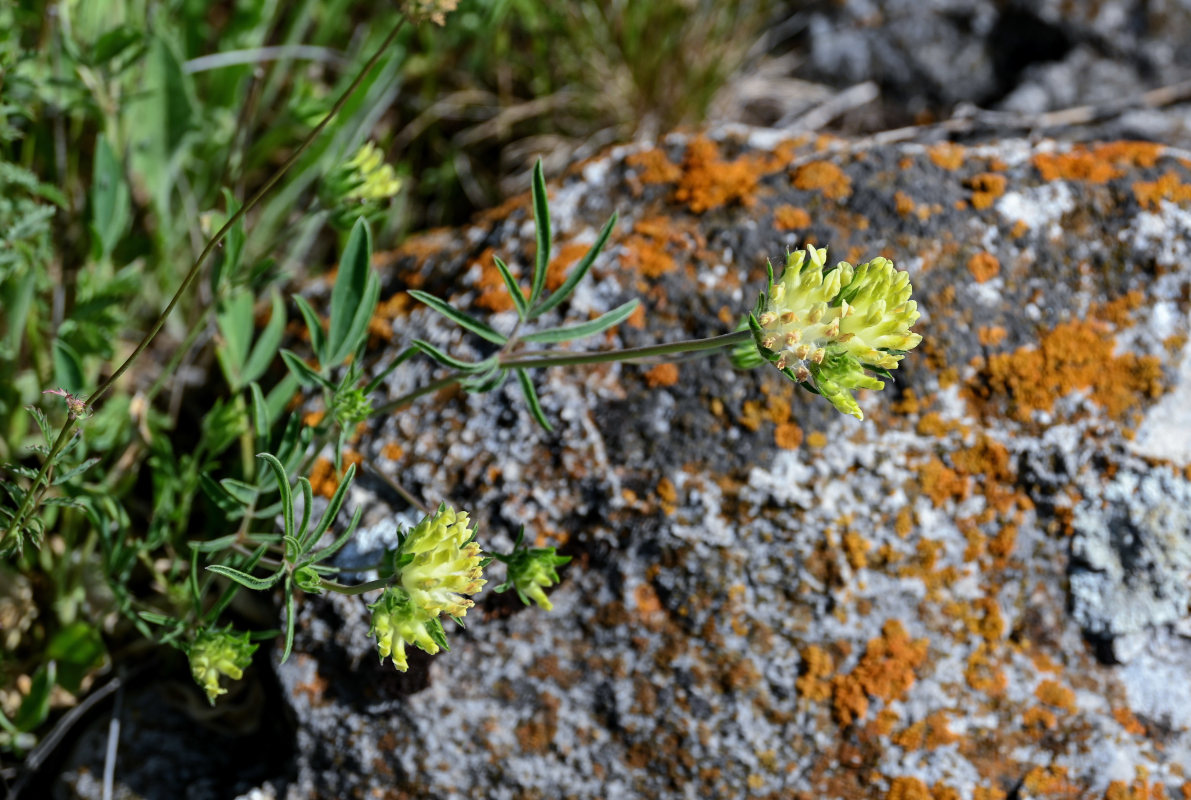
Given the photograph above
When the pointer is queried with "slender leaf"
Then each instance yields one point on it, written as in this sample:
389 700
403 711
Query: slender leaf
110 210
287 496
580 330
340 541
307 502
236 323
577 273
541 218
531 397
280 396
514 290
314 326
229 593
260 414
332 508
244 493
290 621
233 244
375 383
74 472
305 374
454 314
246 580
443 358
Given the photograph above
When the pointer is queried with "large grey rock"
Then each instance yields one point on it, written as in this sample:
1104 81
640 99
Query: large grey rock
767 598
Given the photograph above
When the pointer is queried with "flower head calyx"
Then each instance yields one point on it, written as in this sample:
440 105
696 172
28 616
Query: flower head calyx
215 653
835 330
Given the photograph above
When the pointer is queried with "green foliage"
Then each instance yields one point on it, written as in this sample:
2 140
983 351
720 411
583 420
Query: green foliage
148 148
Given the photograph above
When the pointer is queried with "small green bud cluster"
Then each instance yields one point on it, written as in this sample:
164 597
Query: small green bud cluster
530 571
216 653
360 187
836 330
437 565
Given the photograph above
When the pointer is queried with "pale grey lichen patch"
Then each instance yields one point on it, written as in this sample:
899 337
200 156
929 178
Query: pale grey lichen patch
1164 432
1163 235
1039 206
1131 567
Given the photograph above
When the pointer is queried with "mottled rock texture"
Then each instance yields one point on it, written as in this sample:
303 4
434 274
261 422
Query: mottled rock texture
979 591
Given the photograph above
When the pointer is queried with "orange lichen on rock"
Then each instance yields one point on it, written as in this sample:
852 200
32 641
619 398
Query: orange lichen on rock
1098 164
708 182
788 436
790 218
392 451
814 682
494 295
929 733
1168 187
1040 718
941 483
1076 355
983 674
986 187
907 788
991 335
647 256
568 255
323 478
1128 721
856 549
824 177
885 672
654 166
1049 782
380 326
1141 788
984 266
1056 694
662 375
946 155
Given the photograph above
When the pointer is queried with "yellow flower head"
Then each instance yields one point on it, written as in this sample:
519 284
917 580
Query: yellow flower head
829 328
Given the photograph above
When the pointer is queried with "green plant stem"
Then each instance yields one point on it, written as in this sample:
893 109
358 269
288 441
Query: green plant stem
33 494
556 358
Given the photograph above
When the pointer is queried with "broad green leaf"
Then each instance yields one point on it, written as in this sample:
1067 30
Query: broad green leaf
266 347
568 333
110 210
541 219
577 273
531 397
348 294
235 322
280 395
357 335
35 708
232 246
78 648
68 367
450 312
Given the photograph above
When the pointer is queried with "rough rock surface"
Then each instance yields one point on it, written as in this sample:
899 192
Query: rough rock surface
980 591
